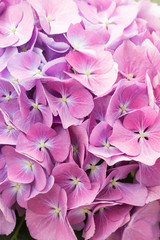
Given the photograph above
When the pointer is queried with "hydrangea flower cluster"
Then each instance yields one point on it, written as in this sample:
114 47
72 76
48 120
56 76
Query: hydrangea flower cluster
80 119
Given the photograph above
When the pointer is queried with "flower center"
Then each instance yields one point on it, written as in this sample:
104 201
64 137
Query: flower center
113 183
85 210
75 149
35 106
42 145
18 186
92 167
8 97
107 145
57 210
64 99
29 164
38 71
142 134
131 75
75 181
49 19
87 73
13 30
123 108
107 23
10 128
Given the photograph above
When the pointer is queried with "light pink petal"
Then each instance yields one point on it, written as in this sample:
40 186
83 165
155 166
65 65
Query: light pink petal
80 103
62 139
124 140
9 196
51 9
132 194
140 119
8 219
147 156
40 177
20 173
66 117
26 64
149 175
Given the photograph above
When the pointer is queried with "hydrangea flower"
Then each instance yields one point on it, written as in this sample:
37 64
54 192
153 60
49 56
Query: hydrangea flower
80 119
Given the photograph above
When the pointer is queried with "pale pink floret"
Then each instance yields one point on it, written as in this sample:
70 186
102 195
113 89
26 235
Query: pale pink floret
46 216
128 96
82 40
32 110
134 63
138 136
15 192
99 143
114 190
16 25
25 67
7 218
24 170
56 16
95 168
70 100
98 74
79 189
108 219
44 144
109 17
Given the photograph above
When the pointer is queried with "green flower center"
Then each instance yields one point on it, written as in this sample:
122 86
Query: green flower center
57 210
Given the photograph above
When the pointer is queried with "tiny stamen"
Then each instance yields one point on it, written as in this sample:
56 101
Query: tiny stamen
10 128
37 71
42 145
107 145
35 106
64 99
57 210
92 167
87 73
13 30
123 108
75 181
8 97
